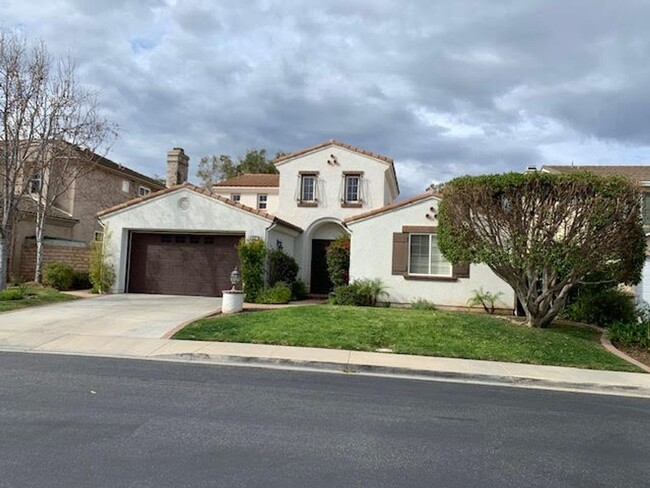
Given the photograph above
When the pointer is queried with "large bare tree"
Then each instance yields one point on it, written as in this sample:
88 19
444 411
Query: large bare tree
544 234
47 118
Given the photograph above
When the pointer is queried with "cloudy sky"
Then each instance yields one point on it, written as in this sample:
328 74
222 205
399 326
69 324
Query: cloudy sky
445 88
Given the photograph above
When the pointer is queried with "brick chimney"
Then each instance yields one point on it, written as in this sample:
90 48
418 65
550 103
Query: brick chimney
177 164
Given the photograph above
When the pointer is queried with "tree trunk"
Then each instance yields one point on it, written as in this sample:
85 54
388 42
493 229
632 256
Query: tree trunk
40 251
4 262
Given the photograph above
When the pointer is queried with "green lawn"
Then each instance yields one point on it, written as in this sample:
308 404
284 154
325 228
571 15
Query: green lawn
35 296
406 331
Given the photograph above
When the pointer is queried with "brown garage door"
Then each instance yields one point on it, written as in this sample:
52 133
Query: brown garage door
181 264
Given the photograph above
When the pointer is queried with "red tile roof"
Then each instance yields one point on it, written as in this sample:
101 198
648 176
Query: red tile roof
334 142
393 206
252 179
202 191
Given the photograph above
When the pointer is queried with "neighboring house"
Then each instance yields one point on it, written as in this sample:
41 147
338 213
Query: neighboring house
641 176
258 191
72 221
182 239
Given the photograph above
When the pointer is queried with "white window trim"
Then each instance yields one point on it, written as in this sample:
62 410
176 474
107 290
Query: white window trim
451 267
259 201
345 188
146 191
235 197
313 177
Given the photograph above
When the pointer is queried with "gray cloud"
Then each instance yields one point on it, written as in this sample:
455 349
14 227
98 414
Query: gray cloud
445 88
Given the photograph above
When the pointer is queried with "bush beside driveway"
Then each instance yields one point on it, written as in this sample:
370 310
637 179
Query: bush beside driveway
407 331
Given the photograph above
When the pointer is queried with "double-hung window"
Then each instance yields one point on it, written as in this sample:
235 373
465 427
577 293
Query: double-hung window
352 189
261 201
235 197
35 183
143 190
308 186
425 257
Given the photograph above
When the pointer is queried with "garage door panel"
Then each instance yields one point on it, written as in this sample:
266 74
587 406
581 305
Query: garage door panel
180 264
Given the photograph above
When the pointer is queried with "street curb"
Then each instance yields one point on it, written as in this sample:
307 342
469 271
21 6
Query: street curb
474 378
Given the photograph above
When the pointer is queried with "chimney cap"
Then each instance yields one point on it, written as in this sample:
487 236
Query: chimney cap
178 149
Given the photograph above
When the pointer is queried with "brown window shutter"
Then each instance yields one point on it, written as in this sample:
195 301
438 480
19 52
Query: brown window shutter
400 253
461 270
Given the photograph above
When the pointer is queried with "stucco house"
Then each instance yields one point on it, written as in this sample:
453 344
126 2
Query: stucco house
182 240
72 220
640 175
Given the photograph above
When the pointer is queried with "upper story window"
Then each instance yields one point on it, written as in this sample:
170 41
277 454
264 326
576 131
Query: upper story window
126 186
352 189
262 199
308 185
143 190
235 197
35 183
425 257
646 208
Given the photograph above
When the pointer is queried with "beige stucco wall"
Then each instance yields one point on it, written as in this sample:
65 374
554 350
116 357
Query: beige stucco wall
248 196
180 211
330 186
371 257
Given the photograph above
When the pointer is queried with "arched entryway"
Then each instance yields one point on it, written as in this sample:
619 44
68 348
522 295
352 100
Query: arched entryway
317 238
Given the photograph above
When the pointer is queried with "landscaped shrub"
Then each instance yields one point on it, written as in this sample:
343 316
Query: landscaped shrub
338 260
362 293
484 299
58 276
102 273
282 267
422 304
298 290
630 333
602 307
280 293
17 293
81 280
252 256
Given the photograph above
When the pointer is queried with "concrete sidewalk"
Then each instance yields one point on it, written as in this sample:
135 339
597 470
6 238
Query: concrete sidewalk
422 367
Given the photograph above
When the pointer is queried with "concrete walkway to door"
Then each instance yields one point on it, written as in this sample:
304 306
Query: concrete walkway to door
125 315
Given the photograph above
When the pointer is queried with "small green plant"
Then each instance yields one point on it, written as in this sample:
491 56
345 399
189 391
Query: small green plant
423 304
17 293
252 256
602 307
58 275
630 333
282 267
484 298
298 290
277 294
338 260
363 293
16 280
102 272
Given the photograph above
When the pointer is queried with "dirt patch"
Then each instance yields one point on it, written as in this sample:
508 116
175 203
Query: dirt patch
639 353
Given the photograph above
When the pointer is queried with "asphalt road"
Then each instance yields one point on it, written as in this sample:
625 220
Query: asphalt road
77 421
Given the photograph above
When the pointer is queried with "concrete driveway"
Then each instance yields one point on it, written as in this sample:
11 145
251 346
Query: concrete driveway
124 315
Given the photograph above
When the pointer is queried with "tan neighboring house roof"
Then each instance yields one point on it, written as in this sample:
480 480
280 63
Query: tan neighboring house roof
252 179
94 158
202 191
334 142
28 205
393 206
636 173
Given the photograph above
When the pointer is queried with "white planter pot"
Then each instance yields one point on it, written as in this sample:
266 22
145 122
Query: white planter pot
233 301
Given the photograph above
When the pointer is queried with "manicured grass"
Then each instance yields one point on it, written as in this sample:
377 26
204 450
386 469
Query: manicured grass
35 296
406 331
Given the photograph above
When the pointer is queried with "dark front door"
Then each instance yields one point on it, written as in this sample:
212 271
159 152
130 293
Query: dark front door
181 264
320 278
